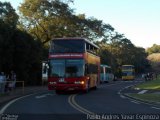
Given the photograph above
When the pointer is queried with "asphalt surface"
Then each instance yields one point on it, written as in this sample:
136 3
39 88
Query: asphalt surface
107 102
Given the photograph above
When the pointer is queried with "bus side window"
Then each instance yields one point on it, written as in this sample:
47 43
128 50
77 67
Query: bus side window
92 69
101 70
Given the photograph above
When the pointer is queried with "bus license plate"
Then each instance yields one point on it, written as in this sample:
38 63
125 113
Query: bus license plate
70 88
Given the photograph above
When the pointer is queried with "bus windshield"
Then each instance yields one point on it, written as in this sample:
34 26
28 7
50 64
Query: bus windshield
67 46
66 68
127 67
57 68
127 73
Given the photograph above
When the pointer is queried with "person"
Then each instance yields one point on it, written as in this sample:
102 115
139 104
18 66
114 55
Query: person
115 78
146 77
2 82
143 76
12 79
149 77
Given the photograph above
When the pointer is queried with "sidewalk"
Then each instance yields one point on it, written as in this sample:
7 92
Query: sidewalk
20 92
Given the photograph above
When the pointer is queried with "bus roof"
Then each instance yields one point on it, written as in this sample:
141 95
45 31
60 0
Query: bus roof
77 38
103 65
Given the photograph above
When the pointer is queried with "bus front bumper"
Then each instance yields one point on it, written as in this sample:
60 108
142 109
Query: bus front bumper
69 87
128 78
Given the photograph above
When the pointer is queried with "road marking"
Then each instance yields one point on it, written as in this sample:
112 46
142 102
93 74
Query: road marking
43 96
122 96
119 92
13 101
128 86
38 97
142 92
72 102
137 88
156 108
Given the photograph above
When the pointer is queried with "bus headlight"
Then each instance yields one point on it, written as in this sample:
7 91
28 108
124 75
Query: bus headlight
79 82
82 82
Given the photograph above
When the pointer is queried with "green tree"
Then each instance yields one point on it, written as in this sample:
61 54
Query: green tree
154 60
116 50
8 21
8 14
45 19
154 49
19 51
27 57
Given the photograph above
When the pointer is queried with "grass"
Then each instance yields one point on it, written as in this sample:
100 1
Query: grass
151 97
150 85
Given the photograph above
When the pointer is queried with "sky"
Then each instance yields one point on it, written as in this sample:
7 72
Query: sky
138 20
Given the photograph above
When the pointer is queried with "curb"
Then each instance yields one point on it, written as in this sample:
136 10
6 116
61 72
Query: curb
156 104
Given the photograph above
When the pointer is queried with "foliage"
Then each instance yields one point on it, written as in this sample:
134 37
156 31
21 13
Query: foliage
46 19
8 14
18 50
154 59
154 49
117 50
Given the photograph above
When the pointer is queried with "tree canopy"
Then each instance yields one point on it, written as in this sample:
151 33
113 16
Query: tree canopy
154 59
47 19
18 50
154 49
118 50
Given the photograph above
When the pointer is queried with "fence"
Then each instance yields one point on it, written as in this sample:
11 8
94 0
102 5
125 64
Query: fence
5 85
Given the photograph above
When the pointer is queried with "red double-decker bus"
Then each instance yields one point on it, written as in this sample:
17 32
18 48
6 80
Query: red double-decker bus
73 65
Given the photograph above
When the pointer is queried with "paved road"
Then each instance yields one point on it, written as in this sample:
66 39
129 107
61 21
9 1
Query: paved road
106 102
